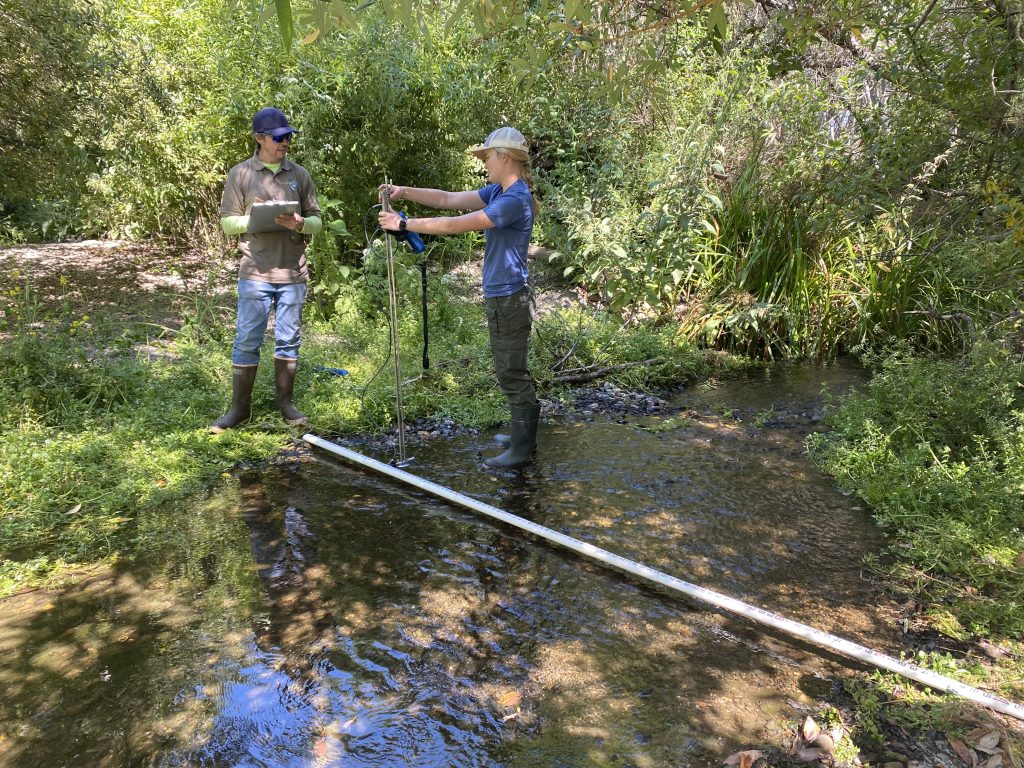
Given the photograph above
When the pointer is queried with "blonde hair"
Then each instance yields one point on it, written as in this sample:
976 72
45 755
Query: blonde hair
521 157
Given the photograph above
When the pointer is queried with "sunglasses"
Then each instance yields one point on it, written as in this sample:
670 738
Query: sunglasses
283 137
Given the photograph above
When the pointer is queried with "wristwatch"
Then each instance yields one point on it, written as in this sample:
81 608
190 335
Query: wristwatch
401 225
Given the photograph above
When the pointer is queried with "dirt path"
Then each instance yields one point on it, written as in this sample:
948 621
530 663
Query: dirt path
113 281
121 281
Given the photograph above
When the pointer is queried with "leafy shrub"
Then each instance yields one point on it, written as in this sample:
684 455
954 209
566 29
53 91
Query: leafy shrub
936 448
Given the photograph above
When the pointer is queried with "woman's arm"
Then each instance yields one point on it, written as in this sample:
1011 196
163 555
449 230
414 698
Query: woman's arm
438 225
436 198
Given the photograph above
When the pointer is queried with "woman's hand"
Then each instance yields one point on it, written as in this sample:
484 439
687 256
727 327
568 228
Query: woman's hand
389 220
394 191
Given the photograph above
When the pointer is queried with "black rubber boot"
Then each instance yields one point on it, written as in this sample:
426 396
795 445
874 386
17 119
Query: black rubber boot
523 443
242 379
506 440
284 382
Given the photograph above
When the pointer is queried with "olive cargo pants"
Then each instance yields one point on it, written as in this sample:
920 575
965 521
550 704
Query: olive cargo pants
509 322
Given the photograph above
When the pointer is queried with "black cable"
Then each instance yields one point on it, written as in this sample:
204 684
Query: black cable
393 331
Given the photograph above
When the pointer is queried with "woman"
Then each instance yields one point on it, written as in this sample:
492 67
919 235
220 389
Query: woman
505 211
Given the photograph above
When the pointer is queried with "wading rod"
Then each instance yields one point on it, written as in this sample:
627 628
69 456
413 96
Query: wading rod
385 204
752 612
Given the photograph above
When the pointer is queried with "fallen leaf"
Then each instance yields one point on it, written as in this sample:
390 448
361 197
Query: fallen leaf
510 699
74 510
797 743
989 742
744 759
996 761
963 752
825 743
810 729
120 520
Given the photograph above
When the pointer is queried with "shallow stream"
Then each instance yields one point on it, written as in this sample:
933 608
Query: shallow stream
317 614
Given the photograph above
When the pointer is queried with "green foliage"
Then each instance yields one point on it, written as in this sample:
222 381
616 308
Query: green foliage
572 341
374 104
773 207
50 71
883 698
176 116
935 448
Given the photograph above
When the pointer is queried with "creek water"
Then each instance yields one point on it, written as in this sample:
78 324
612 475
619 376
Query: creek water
316 614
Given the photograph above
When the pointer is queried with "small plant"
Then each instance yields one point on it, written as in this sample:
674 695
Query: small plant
669 424
845 750
764 417
726 412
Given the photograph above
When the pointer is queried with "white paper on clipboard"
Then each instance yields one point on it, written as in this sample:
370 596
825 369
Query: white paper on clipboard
262 215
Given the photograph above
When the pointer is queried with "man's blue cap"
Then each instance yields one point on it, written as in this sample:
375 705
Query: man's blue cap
272 122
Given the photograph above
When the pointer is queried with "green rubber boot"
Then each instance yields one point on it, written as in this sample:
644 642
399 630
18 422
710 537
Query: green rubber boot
523 438
242 379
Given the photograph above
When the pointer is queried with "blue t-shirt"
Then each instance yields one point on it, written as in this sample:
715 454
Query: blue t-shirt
506 244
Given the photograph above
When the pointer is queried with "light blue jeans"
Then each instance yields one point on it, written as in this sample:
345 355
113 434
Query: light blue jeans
255 300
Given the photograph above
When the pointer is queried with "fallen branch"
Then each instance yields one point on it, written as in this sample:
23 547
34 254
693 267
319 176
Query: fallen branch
589 374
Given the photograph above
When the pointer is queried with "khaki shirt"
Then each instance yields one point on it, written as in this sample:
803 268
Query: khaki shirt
270 257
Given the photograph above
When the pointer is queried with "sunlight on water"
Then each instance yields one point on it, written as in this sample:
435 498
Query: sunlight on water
315 614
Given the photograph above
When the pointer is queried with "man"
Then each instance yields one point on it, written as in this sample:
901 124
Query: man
273 271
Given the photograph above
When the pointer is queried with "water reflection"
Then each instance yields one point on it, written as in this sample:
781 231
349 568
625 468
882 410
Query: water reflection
342 620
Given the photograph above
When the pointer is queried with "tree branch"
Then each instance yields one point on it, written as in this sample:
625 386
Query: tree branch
924 16
663 23
589 374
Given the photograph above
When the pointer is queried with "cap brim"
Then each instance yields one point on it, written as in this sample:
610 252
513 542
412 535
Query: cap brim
479 151
283 131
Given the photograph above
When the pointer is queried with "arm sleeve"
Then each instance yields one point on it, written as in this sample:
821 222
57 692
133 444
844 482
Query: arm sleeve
312 225
487 193
234 225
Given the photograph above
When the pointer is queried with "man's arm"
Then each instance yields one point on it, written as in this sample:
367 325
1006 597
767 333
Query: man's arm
234 219
234 225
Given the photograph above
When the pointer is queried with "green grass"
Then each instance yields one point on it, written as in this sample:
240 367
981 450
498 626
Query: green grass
96 432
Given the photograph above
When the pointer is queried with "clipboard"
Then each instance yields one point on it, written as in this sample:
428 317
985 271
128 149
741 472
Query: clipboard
262 215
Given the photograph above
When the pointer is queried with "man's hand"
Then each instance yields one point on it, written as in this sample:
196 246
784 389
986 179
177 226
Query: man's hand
291 221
